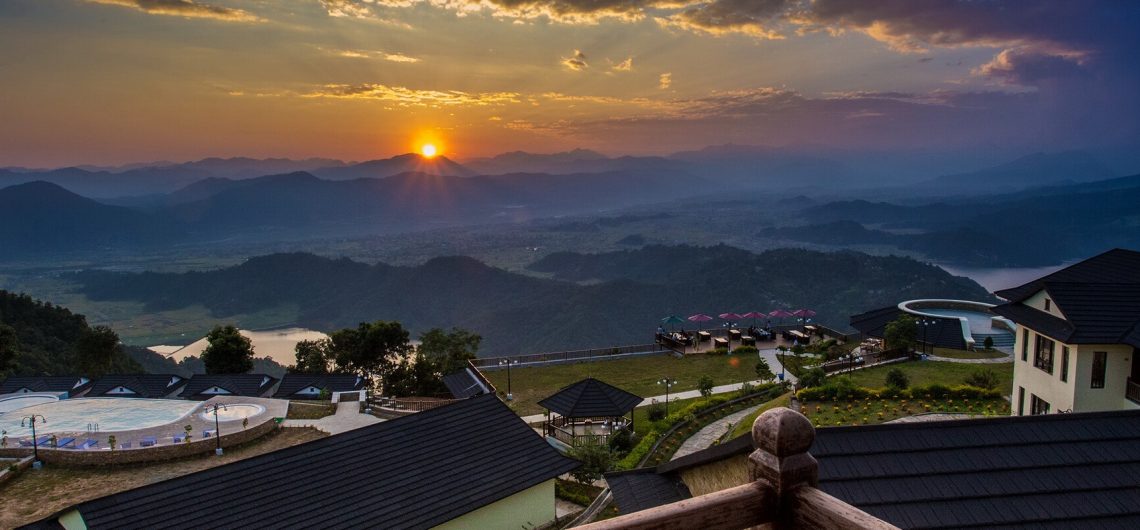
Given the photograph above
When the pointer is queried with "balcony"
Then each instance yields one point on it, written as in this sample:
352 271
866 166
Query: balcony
1132 391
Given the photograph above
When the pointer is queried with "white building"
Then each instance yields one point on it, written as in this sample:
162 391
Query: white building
1078 337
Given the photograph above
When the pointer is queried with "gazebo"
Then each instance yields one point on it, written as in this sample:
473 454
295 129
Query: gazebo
588 412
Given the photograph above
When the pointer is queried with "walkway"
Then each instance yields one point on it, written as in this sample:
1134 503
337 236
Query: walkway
768 355
347 418
704 438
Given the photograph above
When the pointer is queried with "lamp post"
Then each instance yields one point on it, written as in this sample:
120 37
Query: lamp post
668 384
35 443
508 363
924 323
217 427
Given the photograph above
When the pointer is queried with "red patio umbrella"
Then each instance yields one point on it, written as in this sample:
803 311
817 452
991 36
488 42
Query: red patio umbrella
803 313
754 315
700 318
731 317
779 313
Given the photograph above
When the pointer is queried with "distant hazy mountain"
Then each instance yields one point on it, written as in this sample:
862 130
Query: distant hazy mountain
1038 169
39 217
763 167
523 162
407 163
517 313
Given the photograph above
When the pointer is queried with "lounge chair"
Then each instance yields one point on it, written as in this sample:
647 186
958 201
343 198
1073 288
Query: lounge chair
42 441
147 441
64 442
86 444
180 438
208 433
126 445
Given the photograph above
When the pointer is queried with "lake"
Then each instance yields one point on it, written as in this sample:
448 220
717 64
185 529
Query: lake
277 344
997 278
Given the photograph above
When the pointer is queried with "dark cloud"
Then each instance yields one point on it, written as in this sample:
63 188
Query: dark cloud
576 61
183 8
752 17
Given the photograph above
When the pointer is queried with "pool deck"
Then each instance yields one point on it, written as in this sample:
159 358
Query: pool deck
274 408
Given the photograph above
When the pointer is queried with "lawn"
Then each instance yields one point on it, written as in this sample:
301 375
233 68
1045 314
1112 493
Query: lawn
300 410
638 375
873 411
745 425
923 373
967 354
34 495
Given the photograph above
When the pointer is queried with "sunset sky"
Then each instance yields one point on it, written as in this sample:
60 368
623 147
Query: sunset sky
116 81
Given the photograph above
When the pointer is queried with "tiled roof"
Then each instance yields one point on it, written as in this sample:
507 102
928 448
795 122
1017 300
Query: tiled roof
464 384
640 489
591 398
143 385
417 471
293 383
45 383
1059 470
944 333
1100 298
254 385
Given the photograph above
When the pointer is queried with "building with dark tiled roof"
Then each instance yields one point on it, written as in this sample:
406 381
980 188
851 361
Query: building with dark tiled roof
470 464
137 385
72 385
310 386
1078 337
1056 471
206 386
467 383
588 411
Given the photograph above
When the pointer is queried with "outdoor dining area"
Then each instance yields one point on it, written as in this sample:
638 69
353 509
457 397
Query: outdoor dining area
672 332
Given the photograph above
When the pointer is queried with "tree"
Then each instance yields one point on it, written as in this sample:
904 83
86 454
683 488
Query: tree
705 384
9 343
595 459
764 371
313 357
229 351
95 351
896 378
450 349
814 377
372 350
900 333
983 378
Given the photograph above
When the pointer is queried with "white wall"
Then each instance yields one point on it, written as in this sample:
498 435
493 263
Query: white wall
530 508
1077 393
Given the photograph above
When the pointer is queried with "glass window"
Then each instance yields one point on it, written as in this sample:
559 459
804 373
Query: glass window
1064 364
1043 354
1037 405
1025 344
1047 304
1100 362
1020 401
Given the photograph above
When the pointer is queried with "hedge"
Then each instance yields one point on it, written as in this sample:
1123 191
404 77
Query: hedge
839 391
639 451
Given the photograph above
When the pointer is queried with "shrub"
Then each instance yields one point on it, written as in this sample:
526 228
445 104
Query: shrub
655 411
988 343
638 452
897 379
621 442
740 350
983 378
705 384
813 377
595 459
568 492
719 351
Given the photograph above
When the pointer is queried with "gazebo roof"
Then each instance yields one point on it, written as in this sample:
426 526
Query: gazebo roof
591 398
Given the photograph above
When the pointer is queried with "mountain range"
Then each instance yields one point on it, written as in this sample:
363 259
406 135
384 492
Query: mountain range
593 300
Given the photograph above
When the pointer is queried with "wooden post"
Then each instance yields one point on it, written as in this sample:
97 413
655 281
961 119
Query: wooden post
782 438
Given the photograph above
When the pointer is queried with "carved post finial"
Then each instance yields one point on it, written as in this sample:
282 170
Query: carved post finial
782 438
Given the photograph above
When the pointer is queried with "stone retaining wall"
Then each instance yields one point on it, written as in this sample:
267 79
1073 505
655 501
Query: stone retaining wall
158 453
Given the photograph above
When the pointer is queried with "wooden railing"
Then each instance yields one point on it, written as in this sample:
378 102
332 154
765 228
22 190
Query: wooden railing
1132 391
782 491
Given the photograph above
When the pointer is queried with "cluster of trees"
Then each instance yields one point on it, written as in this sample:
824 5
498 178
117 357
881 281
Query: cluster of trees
38 338
382 353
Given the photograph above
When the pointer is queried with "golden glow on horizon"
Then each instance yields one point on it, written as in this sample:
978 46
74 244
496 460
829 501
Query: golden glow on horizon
428 150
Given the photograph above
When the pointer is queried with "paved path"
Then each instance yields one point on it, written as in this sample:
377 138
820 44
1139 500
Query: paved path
704 438
563 508
996 360
936 416
347 418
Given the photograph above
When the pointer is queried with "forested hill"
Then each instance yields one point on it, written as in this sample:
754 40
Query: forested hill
519 313
51 340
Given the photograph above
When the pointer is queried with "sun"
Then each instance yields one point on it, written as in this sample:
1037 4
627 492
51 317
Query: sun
428 150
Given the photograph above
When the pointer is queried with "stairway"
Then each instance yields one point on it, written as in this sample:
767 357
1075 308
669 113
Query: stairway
1002 341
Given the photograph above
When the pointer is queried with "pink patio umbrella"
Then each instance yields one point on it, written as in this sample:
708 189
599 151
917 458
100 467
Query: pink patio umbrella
754 315
700 319
730 317
804 315
779 313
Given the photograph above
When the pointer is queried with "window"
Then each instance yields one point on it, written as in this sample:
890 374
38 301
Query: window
1100 362
1047 304
1020 401
1043 354
1038 406
1064 364
1025 344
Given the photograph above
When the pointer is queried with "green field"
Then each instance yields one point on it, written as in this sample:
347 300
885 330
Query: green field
923 373
638 375
968 354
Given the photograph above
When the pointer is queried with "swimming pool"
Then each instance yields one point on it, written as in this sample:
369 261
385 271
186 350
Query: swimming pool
110 414
19 401
977 320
